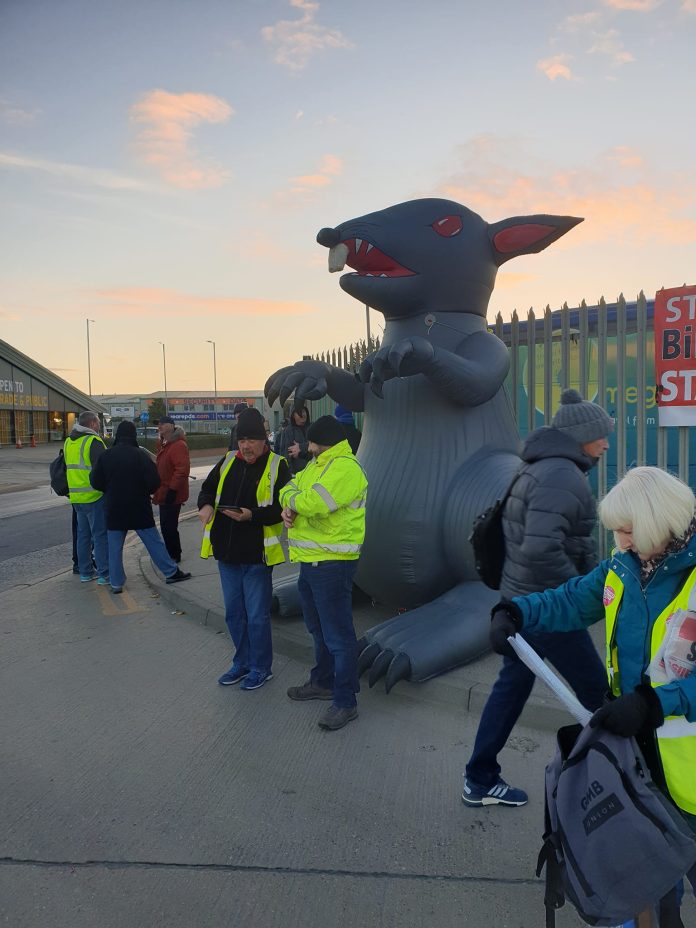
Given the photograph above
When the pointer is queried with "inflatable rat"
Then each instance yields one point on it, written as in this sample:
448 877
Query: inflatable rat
439 438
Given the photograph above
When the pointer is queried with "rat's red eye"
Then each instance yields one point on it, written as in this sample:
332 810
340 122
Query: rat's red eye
448 226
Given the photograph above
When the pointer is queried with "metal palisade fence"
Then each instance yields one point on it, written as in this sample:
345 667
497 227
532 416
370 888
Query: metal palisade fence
606 352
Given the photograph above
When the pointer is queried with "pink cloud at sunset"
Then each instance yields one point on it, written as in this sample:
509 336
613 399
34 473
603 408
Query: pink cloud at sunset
330 167
296 41
153 302
638 6
555 67
165 123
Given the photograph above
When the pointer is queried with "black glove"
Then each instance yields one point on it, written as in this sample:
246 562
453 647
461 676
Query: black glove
170 498
506 620
628 714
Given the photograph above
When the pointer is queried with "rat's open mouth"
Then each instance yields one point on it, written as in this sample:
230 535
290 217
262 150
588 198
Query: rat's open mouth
366 259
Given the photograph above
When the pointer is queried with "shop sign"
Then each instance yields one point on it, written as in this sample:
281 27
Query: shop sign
675 355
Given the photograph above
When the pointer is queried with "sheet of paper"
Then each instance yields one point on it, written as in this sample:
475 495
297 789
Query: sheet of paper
529 656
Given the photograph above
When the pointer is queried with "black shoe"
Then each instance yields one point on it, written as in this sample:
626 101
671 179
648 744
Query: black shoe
178 577
335 718
76 569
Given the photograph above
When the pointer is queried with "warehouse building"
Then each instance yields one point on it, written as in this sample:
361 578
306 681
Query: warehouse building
35 404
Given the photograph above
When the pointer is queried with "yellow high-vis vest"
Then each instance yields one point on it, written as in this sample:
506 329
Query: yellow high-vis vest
272 548
78 466
676 737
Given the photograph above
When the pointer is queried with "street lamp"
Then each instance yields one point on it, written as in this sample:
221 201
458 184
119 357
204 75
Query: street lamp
89 362
164 366
210 342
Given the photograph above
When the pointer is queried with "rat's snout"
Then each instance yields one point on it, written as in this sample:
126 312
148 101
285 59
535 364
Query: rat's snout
328 237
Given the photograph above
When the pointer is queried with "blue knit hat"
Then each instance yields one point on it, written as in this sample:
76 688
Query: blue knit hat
344 415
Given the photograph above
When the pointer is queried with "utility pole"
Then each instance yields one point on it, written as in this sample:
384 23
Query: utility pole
89 361
164 367
210 342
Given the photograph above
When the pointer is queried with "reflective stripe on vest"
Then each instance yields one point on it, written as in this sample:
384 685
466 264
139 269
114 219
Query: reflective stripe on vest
78 467
272 548
676 738
316 546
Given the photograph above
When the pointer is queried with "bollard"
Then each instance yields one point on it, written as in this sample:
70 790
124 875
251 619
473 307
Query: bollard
33 442
18 443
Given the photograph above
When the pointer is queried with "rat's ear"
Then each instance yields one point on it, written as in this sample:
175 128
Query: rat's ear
524 235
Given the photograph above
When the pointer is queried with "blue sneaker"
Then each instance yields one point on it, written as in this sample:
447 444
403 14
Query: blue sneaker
500 794
87 579
103 581
254 679
233 675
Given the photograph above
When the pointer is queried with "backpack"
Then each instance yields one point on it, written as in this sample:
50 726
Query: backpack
613 844
488 541
59 475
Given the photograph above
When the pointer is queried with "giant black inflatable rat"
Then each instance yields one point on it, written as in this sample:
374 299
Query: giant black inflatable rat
439 438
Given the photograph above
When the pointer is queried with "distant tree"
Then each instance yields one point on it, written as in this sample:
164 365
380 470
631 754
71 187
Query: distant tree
157 409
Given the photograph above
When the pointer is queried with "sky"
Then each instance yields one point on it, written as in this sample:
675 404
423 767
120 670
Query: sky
165 165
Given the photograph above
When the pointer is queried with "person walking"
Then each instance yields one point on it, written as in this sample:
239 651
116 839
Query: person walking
636 590
548 520
294 440
127 476
173 467
82 449
324 511
240 509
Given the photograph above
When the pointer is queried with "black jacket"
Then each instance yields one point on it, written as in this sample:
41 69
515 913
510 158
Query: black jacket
549 516
241 542
291 434
127 476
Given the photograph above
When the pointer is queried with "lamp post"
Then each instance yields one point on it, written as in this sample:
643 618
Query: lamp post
89 361
164 367
210 342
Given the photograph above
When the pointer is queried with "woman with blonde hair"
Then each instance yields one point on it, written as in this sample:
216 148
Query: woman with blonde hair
648 577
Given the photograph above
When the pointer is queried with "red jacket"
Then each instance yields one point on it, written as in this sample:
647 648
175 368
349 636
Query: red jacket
173 466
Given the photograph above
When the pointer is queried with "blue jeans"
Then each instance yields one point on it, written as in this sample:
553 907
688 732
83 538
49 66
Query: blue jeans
247 590
574 656
152 540
91 535
326 593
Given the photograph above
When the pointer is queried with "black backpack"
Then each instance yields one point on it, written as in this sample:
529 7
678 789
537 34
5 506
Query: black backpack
59 475
488 541
614 845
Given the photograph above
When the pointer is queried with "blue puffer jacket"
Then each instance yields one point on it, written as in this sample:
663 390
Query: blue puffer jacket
578 604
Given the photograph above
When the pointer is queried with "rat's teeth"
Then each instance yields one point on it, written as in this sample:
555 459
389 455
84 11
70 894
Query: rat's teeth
337 257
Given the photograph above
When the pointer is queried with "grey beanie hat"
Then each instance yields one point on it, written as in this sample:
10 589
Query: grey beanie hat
582 420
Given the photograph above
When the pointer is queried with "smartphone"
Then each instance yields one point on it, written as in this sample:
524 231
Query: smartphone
231 508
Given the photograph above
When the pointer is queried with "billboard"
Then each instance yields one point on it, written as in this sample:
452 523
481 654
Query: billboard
675 355
125 412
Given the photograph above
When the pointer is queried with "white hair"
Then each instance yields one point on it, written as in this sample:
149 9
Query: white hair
650 503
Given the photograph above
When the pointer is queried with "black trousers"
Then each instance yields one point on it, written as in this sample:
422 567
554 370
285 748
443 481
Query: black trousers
169 526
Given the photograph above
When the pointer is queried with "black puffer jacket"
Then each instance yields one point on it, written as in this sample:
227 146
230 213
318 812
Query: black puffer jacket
127 476
549 516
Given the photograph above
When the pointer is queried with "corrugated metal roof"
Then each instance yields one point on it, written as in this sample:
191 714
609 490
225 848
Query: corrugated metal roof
34 369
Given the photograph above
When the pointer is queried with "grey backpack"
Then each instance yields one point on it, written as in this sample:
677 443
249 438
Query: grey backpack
613 844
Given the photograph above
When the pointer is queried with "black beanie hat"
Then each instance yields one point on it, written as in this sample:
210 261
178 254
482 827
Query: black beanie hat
326 431
125 432
250 425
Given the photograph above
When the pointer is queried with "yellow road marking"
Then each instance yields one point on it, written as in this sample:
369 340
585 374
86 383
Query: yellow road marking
113 604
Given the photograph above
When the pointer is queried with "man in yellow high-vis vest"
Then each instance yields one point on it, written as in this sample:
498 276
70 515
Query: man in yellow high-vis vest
324 509
240 509
81 450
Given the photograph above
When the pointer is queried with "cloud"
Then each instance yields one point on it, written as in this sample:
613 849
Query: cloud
90 177
555 67
331 166
578 21
13 115
296 40
609 44
689 6
151 302
639 6
619 205
165 124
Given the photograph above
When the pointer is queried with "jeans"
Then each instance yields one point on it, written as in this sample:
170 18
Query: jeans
326 592
169 526
91 538
247 590
574 656
152 540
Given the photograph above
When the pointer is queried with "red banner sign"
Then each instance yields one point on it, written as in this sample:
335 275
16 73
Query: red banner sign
675 355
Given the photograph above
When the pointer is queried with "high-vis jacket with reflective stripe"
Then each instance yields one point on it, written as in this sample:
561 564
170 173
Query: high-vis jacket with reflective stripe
78 465
272 549
636 617
329 497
